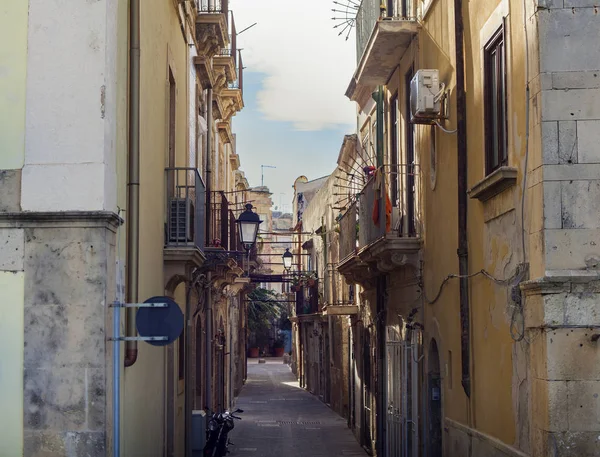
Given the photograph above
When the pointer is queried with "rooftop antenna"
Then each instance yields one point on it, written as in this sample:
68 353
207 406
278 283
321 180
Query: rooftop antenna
262 173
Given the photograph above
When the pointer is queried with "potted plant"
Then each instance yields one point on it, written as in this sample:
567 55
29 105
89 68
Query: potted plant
296 284
278 347
311 279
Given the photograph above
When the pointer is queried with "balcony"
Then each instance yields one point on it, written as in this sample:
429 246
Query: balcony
225 254
212 26
225 133
307 299
382 37
226 58
389 237
350 265
232 93
184 220
338 296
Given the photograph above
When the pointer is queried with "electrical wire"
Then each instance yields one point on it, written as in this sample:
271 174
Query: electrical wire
445 130
512 280
526 131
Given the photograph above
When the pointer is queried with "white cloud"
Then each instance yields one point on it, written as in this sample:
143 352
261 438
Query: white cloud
308 66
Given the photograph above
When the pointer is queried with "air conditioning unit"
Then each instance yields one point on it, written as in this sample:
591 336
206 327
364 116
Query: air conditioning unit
425 96
181 220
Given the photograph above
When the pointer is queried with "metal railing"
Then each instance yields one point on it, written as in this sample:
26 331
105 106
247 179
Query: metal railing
222 228
400 216
185 208
370 11
336 290
307 299
348 232
239 82
212 6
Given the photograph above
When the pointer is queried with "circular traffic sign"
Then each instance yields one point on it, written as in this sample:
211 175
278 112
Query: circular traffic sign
160 321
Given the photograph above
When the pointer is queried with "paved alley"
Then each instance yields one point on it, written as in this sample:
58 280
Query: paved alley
281 419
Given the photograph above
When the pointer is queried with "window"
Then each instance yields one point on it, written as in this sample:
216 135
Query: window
496 153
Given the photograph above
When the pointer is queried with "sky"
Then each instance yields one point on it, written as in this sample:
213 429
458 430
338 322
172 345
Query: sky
296 72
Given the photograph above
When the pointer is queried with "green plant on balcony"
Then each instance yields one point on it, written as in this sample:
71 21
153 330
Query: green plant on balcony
310 278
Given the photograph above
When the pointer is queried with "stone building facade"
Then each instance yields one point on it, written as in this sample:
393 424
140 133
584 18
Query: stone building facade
470 238
115 136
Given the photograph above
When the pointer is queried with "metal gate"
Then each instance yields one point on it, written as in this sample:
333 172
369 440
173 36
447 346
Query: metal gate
395 393
401 395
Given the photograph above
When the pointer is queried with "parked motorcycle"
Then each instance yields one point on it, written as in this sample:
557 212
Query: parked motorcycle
219 426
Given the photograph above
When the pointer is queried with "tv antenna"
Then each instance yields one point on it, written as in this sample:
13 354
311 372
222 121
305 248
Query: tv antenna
262 173
345 12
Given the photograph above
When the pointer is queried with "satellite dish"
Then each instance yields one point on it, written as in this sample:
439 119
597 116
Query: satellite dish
164 321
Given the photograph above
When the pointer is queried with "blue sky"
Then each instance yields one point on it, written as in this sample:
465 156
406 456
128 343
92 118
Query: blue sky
312 153
296 72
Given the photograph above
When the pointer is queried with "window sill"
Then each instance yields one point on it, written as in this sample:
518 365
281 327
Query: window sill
493 184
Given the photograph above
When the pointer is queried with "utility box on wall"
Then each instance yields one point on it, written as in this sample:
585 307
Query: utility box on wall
199 423
425 96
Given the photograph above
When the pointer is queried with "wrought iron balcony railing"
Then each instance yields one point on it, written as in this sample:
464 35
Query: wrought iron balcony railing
336 290
307 299
371 11
185 208
239 82
390 206
222 229
349 232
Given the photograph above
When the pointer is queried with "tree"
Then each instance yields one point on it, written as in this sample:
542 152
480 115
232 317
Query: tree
263 308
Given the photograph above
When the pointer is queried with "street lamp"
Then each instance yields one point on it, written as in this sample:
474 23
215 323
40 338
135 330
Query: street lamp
248 223
287 260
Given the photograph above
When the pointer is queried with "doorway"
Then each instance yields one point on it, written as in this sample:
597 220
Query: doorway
434 381
394 373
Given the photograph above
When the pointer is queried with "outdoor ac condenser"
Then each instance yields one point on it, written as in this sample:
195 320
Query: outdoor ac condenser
425 96
181 220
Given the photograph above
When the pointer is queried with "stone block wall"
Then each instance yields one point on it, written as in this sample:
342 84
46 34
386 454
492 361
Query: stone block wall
568 110
68 263
563 326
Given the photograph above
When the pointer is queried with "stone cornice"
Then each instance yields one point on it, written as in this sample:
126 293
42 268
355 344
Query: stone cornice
61 218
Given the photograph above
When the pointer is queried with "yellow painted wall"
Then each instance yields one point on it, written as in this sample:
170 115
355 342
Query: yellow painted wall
494 244
12 286
13 72
162 44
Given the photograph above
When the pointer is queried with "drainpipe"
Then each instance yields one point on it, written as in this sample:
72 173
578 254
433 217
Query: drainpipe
381 288
209 303
208 345
463 253
208 152
133 185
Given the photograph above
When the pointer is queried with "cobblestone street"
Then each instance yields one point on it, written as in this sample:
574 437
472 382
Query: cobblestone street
280 419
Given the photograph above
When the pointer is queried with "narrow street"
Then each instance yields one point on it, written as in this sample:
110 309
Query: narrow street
281 419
